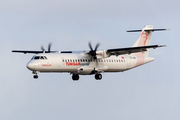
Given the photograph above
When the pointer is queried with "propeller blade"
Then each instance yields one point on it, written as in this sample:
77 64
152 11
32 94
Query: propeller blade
89 43
49 47
42 48
97 45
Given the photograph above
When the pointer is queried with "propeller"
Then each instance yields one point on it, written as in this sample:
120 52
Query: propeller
93 52
49 48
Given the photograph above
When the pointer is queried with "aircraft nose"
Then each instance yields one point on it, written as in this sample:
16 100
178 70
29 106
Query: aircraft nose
30 66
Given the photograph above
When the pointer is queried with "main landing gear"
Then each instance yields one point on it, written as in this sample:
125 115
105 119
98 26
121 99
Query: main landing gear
75 77
98 76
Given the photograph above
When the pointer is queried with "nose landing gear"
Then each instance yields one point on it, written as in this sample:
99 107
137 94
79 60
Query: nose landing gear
98 76
35 76
75 77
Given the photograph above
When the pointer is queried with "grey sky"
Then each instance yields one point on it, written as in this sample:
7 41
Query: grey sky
147 92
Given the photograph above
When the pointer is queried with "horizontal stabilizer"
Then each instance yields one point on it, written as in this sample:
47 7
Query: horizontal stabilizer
146 30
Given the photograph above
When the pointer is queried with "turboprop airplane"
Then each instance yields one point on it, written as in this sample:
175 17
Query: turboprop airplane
94 62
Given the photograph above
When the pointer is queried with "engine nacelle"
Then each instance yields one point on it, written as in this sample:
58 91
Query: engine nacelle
101 54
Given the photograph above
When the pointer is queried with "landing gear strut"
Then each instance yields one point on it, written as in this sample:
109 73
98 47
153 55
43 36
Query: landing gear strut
75 77
98 76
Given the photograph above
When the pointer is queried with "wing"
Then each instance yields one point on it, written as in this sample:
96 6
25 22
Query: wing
121 51
36 52
25 51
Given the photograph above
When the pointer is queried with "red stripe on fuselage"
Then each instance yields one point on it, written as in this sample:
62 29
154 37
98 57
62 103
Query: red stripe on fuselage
46 65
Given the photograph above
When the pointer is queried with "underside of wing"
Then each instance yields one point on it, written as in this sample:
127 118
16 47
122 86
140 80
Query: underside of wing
129 50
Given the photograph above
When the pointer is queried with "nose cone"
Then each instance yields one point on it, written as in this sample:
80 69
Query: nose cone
30 66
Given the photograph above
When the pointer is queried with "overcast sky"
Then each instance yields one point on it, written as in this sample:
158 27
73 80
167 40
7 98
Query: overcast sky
148 92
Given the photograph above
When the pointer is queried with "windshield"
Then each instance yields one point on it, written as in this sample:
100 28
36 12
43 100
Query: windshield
39 57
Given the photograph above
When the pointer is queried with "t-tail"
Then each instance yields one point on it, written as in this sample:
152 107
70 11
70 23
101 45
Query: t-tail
145 37
144 40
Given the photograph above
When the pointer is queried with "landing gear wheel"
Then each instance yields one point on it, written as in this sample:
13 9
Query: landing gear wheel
75 77
35 76
98 76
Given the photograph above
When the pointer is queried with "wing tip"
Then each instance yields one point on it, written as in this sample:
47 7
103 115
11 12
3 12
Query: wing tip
161 45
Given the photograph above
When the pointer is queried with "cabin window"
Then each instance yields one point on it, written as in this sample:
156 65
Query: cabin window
86 60
70 60
63 60
75 60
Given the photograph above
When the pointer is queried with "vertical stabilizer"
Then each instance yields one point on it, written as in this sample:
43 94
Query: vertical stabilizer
145 38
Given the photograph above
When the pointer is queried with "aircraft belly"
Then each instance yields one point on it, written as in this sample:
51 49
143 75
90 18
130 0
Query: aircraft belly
116 67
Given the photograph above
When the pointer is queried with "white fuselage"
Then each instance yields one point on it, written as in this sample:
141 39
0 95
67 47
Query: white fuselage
84 65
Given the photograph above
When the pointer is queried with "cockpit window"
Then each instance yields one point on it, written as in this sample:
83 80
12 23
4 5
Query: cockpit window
37 57
42 57
45 57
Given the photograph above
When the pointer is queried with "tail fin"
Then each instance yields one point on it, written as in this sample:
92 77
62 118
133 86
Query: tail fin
145 37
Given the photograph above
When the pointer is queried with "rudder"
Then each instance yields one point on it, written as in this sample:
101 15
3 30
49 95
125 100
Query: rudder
145 38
